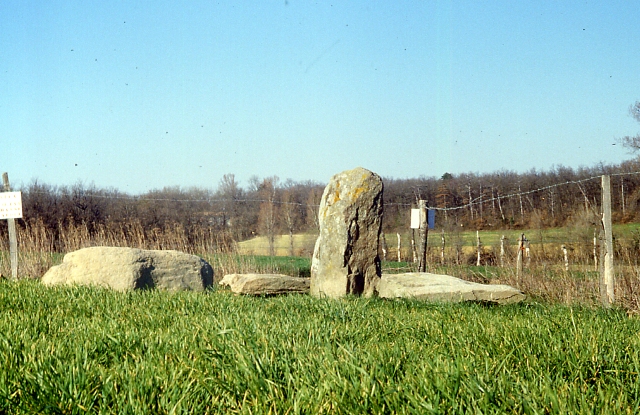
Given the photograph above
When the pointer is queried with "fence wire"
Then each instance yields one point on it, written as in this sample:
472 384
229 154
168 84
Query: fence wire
474 202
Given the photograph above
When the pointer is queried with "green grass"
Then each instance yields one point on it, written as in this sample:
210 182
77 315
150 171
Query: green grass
294 266
303 243
83 350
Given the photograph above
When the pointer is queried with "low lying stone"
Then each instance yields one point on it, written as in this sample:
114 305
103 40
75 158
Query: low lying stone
265 284
436 287
125 269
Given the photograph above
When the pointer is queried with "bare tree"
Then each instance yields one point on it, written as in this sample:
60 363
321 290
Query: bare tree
313 205
632 143
230 194
290 212
268 214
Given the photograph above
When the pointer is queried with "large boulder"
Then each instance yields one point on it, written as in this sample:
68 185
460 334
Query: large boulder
345 258
265 284
435 287
126 269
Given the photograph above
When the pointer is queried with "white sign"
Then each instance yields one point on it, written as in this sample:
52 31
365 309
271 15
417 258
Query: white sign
10 205
415 218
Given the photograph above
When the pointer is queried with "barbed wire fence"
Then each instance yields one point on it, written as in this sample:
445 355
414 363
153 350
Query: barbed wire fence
258 200
573 249
459 244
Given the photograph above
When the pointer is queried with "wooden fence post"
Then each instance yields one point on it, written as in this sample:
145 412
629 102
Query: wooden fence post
399 248
478 248
502 251
566 257
519 262
442 261
595 250
608 272
414 251
13 241
424 232
384 247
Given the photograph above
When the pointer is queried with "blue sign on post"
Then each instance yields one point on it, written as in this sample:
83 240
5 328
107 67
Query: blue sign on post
431 218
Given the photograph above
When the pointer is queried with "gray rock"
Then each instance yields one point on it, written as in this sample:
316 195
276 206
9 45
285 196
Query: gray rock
265 284
345 258
435 287
126 269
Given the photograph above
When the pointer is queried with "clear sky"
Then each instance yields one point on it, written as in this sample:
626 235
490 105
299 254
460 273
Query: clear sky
138 95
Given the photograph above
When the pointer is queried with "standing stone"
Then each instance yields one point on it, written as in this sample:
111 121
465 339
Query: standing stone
345 258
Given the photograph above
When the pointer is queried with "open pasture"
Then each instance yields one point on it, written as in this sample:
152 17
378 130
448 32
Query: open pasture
83 350
542 239
545 277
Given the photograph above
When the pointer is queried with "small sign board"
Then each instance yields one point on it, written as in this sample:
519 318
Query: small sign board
431 219
415 219
10 205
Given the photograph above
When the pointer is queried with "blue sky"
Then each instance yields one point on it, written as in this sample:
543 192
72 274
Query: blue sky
138 95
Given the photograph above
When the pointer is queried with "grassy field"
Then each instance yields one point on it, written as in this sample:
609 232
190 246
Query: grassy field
233 263
304 243
82 350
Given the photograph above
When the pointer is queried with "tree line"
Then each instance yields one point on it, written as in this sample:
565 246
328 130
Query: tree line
234 213
510 200
269 206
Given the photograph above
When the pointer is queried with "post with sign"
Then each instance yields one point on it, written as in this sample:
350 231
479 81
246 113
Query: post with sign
423 220
419 221
415 224
11 209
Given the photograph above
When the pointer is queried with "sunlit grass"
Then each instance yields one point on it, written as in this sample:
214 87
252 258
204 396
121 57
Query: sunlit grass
79 350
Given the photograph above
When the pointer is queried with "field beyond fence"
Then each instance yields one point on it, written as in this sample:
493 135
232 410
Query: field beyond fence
546 275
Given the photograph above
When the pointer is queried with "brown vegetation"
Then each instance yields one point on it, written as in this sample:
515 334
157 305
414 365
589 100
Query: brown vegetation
502 200
508 200
62 219
544 276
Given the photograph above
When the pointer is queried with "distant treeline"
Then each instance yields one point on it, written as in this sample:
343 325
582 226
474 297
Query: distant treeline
510 200
269 206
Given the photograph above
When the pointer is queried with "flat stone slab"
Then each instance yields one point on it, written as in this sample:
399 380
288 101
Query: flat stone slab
265 284
437 287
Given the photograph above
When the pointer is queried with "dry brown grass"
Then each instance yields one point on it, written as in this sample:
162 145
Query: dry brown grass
303 245
544 278
550 282
39 248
